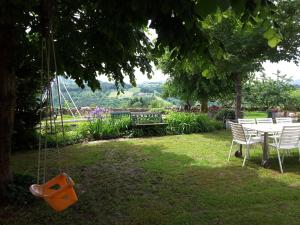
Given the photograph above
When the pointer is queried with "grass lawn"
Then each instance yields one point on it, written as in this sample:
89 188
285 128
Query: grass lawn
170 180
255 114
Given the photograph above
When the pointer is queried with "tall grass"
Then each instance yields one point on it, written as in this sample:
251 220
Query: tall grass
186 123
108 128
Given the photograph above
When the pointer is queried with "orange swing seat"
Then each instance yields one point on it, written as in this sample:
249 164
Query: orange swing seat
58 192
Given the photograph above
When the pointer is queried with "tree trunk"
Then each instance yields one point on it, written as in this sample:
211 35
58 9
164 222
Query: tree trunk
187 107
204 105
238 96
7 99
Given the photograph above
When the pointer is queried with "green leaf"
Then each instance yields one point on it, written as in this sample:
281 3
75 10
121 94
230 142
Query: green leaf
204 8
205 73
270 33
273 42
273 37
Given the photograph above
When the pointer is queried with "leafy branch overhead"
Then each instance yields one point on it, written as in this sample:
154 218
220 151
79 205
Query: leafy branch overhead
236 48
107 37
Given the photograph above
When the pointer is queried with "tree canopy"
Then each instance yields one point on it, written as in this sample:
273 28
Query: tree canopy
237 48
108 37
268 93
187 83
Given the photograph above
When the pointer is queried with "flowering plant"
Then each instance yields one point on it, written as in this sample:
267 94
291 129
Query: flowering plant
274 110
97 113
214 108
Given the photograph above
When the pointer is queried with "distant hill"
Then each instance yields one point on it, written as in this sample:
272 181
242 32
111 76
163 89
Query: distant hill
144 95
296 82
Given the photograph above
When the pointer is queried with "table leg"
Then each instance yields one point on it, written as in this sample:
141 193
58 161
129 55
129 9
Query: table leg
265 160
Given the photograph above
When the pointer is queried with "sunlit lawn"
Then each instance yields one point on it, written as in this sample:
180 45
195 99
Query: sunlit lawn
181 179
255 114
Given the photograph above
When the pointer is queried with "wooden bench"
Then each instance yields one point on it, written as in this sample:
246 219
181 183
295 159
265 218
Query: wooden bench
145 119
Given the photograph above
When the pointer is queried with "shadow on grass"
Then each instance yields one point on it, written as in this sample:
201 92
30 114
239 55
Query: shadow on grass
128 183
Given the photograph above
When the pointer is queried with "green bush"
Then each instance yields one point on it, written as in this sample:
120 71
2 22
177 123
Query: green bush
186 123
17 192
159 103
225 114
148 131
161 110
69 138
94 130
108 128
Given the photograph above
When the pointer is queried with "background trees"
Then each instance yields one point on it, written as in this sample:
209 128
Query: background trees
237 49
268 93
187 83
245 45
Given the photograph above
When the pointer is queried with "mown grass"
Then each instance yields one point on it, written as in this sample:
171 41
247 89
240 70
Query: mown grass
182 179
255 114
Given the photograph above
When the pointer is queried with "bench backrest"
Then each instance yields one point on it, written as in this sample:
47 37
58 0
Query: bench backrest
145 117
118 115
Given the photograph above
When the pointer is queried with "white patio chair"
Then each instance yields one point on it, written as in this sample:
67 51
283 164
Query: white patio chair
285 120
282 120
252 133
267 121
289 139
264 120
240 138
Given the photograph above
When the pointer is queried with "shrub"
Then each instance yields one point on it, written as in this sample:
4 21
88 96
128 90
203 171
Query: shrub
161 110
159 103
225 114
17 192
108 128
148 131
69 138
186 123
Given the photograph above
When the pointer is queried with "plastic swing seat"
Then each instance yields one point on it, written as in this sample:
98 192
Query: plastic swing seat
57 192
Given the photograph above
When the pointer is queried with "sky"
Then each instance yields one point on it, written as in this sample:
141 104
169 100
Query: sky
289 68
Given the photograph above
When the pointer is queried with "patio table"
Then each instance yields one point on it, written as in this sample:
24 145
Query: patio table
266 129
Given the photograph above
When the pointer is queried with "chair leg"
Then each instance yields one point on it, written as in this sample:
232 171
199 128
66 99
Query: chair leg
246 155
248 152
230 151
279 160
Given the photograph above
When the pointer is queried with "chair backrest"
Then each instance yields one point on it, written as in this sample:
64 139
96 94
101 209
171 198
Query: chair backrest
284 120
238 132
246 121
264 120
290 136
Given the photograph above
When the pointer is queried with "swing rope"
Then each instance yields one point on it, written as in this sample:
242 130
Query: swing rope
59 101
47 46
40 125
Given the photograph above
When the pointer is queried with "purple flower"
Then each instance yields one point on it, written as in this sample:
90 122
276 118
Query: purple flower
214 108
97 113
